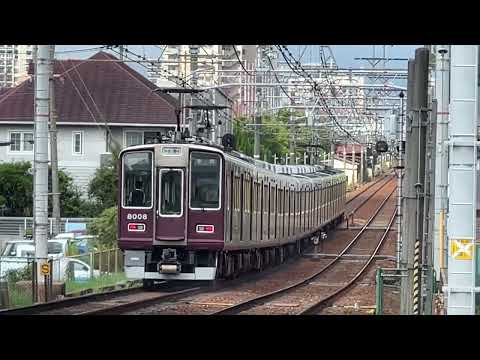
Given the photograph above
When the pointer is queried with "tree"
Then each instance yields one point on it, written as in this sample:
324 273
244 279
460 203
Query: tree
103 188
71 202
274 135
105 227
16 187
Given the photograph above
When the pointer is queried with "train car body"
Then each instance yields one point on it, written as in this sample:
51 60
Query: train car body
196 212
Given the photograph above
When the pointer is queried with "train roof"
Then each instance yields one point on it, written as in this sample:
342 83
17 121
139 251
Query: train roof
309 171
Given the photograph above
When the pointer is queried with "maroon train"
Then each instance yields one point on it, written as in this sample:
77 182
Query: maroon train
197 212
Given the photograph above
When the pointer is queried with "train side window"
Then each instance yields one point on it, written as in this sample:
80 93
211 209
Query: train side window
137 179
171 192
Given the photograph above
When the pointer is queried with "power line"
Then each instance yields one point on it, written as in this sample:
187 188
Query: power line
81 50
298 67
183 83
240 61
276 77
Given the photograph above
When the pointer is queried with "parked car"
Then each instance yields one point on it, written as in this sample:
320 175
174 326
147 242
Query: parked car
18 255
85 243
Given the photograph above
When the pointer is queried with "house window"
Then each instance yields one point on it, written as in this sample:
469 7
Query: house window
27 141
133 138
152 137
22 141
77 140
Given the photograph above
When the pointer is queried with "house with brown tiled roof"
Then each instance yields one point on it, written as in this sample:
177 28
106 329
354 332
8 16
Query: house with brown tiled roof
98 101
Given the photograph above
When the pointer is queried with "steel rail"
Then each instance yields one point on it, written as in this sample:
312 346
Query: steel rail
120 308
66 302
97 298
354 210
325 301
366 189
242 305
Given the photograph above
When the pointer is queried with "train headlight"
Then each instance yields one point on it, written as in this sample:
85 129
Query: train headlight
205 229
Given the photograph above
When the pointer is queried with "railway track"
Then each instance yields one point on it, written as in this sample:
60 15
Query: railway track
355 203
105 303
132 300
271 287
250 303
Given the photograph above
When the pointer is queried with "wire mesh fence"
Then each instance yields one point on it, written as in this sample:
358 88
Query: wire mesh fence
22 226
28 280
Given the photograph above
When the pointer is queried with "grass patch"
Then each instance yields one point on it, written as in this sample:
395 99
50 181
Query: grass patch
96 283
19 298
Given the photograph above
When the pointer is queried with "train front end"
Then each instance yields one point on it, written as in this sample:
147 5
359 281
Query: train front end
171 222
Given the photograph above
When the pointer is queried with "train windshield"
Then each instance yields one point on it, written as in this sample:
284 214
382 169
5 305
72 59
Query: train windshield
137 179
205 181
171 193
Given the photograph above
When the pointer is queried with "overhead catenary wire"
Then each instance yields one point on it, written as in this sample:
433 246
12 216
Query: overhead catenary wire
81 50
240 61
105 125
298 69
181 82
276 77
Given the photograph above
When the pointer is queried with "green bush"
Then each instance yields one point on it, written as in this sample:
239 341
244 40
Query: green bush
16 187
14 276
105 228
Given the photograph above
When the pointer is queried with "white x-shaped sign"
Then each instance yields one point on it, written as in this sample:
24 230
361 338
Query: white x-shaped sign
462 249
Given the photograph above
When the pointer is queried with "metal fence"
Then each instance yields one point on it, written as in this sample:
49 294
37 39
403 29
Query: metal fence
19 226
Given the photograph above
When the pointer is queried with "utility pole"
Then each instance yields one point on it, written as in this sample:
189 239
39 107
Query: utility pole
332 150
419 128
442 94
54 154
361 163
415 189
120 50
256 144
399 170
408 218
355 170
292 147
43 71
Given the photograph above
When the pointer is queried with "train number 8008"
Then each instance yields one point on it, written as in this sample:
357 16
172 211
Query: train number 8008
137 217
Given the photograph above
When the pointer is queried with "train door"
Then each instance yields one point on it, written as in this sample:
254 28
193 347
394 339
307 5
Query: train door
170 223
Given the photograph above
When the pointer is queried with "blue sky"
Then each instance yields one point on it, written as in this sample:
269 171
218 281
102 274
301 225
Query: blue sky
344 54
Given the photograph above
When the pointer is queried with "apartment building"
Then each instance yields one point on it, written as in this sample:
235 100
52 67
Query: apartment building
14 63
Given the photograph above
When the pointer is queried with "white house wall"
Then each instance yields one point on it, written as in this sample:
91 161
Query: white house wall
80 167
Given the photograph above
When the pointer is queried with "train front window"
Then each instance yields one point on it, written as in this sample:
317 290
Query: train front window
204 180
171 194
137 179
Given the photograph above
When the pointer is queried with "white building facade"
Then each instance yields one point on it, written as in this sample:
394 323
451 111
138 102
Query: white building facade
215 65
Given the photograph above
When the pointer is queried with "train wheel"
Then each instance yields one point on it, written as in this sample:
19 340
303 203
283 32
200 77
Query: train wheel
277 256
258 257
148 284
220 266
